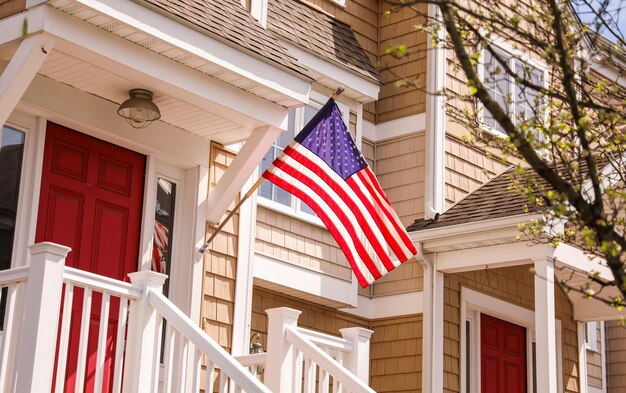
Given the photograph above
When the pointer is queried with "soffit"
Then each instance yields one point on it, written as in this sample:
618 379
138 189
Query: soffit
172 52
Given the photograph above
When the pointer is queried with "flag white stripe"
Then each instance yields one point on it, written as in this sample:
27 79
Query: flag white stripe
388 225
331 215
383 204
354 201
361 237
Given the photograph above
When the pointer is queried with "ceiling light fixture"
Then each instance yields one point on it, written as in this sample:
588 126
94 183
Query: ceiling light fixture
139 110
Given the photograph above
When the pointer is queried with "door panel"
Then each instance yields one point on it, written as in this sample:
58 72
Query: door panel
503 356
91 200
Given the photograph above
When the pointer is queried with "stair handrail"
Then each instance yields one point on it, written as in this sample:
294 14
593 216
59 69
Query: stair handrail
13 276
205 344
325 361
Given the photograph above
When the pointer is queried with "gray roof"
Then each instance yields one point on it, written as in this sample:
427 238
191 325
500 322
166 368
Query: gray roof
229 22
491 200
321 35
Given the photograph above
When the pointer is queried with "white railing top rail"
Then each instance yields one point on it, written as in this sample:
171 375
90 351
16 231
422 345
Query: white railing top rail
327 341
13 276
313 352
101 283
222 359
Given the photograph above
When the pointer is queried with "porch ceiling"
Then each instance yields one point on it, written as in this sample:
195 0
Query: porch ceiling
104 84
197 92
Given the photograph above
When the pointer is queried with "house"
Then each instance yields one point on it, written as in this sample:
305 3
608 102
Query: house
227 77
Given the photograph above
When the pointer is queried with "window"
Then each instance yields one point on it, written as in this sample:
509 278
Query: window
519 100
273 196
11 152
591 335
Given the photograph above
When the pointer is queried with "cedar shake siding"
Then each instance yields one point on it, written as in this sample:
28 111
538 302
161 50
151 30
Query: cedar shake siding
399 28
616 356
10 7
467 168
292 240
220 264
400 168
516 286
396 355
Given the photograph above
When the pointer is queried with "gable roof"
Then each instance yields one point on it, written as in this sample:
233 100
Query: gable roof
492 200
229 22
321 35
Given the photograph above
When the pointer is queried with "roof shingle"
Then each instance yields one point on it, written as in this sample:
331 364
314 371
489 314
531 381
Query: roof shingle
321 35
228 21
491 200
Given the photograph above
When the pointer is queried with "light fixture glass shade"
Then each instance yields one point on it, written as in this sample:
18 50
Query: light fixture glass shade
139 110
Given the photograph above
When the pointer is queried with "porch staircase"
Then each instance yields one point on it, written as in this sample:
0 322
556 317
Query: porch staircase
135 356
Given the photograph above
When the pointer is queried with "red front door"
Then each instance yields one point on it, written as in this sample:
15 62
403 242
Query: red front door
91 199
502 356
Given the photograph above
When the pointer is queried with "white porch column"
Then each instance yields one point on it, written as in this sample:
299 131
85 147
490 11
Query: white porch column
358 361
545 326
42 302
143 343
21 70
279 367
432 337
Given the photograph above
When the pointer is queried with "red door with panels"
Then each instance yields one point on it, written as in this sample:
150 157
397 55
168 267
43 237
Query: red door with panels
91 200
502 356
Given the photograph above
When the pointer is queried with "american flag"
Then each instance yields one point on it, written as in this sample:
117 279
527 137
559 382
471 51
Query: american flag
323 167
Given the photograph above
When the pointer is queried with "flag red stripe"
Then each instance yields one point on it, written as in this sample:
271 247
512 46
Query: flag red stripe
364 176
376 184
363 254
341 241
351 201
375 213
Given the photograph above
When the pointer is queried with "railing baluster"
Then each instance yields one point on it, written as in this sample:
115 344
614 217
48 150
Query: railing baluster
309 375
120 344
7 342
297 374
84 337
197 369
170 341
208 377
324 381
223 382
64 337
102 341
338 386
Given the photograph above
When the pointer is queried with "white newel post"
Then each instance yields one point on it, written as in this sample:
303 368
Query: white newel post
143 343
358 361
545 326
279 369
42 301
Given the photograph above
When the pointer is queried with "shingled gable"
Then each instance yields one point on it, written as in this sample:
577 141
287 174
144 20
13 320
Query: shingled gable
492 200
320 34
229 22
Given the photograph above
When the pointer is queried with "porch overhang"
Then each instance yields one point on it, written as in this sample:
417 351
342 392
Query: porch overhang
109 49
492 244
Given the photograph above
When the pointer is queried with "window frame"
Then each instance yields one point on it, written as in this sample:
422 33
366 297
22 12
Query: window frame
513 56
316 100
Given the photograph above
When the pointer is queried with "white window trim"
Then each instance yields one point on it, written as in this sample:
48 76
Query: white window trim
514 54
34 129
472 304
317 100
591 338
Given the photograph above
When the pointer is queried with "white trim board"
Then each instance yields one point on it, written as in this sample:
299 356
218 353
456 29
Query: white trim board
394 128
388 306
304 280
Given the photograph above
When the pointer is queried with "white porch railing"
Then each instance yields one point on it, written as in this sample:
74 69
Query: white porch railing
52 329
304 361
